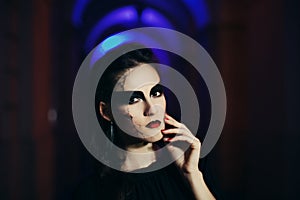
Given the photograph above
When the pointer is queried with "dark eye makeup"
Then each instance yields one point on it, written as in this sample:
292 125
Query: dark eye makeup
156 91
137 96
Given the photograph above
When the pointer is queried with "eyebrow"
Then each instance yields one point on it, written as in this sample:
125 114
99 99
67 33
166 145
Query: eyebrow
157 86
131 93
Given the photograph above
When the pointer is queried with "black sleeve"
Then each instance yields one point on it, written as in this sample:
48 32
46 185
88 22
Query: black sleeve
210 178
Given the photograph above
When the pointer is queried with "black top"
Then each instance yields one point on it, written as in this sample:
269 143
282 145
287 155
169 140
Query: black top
165 183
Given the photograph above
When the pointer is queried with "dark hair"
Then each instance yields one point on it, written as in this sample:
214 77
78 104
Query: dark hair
107 83
114 71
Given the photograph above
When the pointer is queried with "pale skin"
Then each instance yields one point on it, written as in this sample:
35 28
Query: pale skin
150 106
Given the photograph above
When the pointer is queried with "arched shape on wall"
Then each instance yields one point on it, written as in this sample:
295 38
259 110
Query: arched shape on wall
122 15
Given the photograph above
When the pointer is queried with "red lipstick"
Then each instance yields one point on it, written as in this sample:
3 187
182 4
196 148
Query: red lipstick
154 124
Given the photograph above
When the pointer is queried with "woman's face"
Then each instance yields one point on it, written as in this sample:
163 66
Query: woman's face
139 103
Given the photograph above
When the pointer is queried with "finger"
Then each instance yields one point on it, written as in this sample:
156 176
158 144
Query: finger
180 134
193 141
179 138
172 131
169 116
182 130
170 120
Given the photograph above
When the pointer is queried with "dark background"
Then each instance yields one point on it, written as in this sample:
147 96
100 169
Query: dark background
254 43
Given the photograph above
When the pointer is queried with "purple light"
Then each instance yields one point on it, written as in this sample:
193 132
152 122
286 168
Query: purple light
199 11
123 38
122 15
107 45
78 9
154 18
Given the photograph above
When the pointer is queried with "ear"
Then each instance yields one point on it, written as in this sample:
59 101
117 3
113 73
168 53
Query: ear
105 111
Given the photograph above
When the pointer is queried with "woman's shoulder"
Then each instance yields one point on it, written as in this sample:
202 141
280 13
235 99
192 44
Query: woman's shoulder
159 184
165 183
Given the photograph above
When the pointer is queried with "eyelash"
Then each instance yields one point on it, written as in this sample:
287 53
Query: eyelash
155 93
135 99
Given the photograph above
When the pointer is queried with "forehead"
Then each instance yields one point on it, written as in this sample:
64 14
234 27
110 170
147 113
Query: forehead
137 78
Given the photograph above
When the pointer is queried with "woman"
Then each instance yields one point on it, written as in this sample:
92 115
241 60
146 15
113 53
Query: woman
137 122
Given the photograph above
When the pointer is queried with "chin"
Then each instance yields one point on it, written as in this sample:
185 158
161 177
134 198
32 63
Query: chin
154 138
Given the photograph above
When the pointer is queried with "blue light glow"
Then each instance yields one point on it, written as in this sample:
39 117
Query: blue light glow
152 17
120 39
124 15
78 10
112 42
199 10
107 45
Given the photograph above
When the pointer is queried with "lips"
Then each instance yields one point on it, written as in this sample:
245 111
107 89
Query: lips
154 124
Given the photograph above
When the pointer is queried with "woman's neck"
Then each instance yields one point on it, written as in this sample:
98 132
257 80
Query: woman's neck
140 155
142 147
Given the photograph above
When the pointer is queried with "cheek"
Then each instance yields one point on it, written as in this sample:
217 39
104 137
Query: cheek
161 103
132 113
136 114
164 103
127 119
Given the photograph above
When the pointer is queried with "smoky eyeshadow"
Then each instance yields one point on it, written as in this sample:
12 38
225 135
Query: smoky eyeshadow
157 88
136 94
125 97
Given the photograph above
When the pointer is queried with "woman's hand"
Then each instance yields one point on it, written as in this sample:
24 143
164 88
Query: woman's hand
189 160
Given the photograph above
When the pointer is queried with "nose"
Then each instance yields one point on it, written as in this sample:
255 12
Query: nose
150 108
